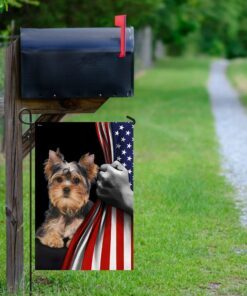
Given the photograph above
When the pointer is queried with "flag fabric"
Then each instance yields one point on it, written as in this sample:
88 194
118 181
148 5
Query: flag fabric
122 134
104 240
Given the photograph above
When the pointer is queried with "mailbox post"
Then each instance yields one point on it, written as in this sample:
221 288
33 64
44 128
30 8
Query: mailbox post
53 72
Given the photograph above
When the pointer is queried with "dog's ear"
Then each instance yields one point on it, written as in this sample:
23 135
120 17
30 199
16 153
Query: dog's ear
54 158
87 161
58 154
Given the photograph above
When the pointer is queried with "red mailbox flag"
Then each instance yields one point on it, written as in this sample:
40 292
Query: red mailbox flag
120 21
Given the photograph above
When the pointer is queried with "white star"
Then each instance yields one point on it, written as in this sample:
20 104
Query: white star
123 139
121 127
130 171
116 133
127 133
118 146
124 164
129 158
119 158
123 152
129 145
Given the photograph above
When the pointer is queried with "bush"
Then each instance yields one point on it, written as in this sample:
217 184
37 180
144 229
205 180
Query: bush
217 48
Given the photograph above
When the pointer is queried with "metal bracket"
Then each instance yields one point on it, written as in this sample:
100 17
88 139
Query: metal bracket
22 112
132 119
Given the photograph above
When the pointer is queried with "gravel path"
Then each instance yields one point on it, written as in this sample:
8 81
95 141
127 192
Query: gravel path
231 127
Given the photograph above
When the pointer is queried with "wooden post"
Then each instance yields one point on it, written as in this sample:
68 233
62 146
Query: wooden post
17 147
14 200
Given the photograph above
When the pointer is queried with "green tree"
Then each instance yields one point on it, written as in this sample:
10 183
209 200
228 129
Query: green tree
4 4
74 13
219 26
216 27
175 20
211 27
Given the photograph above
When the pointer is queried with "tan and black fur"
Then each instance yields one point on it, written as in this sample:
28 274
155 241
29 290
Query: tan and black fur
69 186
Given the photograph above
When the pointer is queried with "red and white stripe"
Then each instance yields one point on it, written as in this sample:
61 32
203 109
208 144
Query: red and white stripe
104 241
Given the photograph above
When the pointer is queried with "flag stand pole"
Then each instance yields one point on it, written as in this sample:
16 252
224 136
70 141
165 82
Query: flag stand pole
29 137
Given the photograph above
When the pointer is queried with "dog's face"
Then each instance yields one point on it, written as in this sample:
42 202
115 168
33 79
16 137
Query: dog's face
69 182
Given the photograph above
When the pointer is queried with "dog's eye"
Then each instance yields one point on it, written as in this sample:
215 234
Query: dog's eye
76 180
59 179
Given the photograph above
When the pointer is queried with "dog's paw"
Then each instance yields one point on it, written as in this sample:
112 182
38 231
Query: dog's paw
52 241
68 243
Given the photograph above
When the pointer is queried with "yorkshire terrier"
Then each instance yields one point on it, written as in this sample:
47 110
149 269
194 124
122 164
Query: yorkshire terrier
69 186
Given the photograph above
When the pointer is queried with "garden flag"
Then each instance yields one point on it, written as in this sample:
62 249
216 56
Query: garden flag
104 241
75 229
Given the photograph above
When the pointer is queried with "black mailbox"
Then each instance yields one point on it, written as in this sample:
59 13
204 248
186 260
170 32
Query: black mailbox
76 63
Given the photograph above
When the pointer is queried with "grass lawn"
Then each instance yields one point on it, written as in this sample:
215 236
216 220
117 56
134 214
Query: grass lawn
188 240
238 74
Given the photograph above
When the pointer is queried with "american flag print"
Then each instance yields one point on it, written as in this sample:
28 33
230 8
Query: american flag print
123 146
104 240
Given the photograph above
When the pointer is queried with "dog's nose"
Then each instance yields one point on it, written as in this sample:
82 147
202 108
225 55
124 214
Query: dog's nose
66 190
